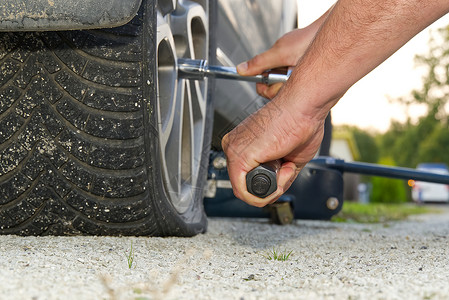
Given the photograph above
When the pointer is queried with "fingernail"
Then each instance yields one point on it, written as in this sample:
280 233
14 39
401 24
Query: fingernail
242 67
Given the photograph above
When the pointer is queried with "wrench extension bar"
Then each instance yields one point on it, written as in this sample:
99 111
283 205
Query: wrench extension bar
198 69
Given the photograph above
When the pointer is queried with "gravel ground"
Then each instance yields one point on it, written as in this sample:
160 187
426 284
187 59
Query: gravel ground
403 260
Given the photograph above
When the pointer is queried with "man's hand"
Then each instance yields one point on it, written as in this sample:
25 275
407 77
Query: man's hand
276 131
286 52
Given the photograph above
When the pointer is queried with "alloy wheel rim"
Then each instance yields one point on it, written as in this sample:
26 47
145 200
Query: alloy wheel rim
181 104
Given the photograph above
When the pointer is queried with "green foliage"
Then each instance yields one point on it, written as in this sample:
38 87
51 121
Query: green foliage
387 190
434 93
130 257
365 142
377 212
278 255
435 147
426 140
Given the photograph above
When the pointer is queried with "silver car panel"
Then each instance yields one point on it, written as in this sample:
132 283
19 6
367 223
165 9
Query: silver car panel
244 29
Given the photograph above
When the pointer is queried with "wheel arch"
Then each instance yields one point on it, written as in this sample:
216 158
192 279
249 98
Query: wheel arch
51 15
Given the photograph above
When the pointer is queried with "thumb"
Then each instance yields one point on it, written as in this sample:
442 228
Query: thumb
259 63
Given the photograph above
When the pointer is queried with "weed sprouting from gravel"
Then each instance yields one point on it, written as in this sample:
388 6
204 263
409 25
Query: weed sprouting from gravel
277 255
130 256
149 290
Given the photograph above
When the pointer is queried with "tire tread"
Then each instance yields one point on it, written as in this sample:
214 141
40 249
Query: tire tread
71 142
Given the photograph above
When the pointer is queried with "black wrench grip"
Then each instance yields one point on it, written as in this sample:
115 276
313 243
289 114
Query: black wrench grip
261 181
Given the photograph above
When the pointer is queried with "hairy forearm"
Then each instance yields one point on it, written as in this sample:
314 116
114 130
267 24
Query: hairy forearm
356 36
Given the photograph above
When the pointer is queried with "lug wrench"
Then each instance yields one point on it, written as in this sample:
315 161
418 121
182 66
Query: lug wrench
261 181
198 69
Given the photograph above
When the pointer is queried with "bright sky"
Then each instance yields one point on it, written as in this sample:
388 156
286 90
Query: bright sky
366 103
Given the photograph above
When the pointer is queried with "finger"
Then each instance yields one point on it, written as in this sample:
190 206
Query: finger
273 90
261 89
238 168
261 202
238 165
268 91
238 181
261 62
286 176
237 175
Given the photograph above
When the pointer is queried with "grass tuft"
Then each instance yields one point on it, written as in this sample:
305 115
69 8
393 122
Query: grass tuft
277 255
130 256
378 212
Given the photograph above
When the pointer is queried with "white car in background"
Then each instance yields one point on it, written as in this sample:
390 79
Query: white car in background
431 192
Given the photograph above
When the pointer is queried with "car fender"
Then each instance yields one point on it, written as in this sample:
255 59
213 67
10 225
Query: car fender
43 15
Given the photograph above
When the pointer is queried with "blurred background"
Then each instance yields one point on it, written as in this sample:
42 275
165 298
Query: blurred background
396 115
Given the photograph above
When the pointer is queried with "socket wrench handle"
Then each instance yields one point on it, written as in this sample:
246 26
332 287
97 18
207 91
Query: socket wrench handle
198 69
261 181
192 68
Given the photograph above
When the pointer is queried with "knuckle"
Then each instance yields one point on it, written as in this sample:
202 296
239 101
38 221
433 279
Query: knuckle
260 89
285 58
280 190
255 61
260 204
279 43
271 92
237 194
225 142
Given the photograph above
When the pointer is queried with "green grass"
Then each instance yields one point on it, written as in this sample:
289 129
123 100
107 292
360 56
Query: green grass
378 212
130 257
277 255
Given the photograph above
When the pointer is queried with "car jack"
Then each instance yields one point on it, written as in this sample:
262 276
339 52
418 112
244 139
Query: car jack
316 194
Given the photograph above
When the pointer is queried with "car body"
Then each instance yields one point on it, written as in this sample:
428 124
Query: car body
427 191
246 28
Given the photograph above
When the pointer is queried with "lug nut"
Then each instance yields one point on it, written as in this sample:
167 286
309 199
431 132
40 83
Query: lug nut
332 203
219 163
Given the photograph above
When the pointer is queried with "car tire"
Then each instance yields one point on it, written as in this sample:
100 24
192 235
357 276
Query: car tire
98 135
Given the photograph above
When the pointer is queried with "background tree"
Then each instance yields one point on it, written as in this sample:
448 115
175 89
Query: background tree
365 142
435 147
387 190
426 140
